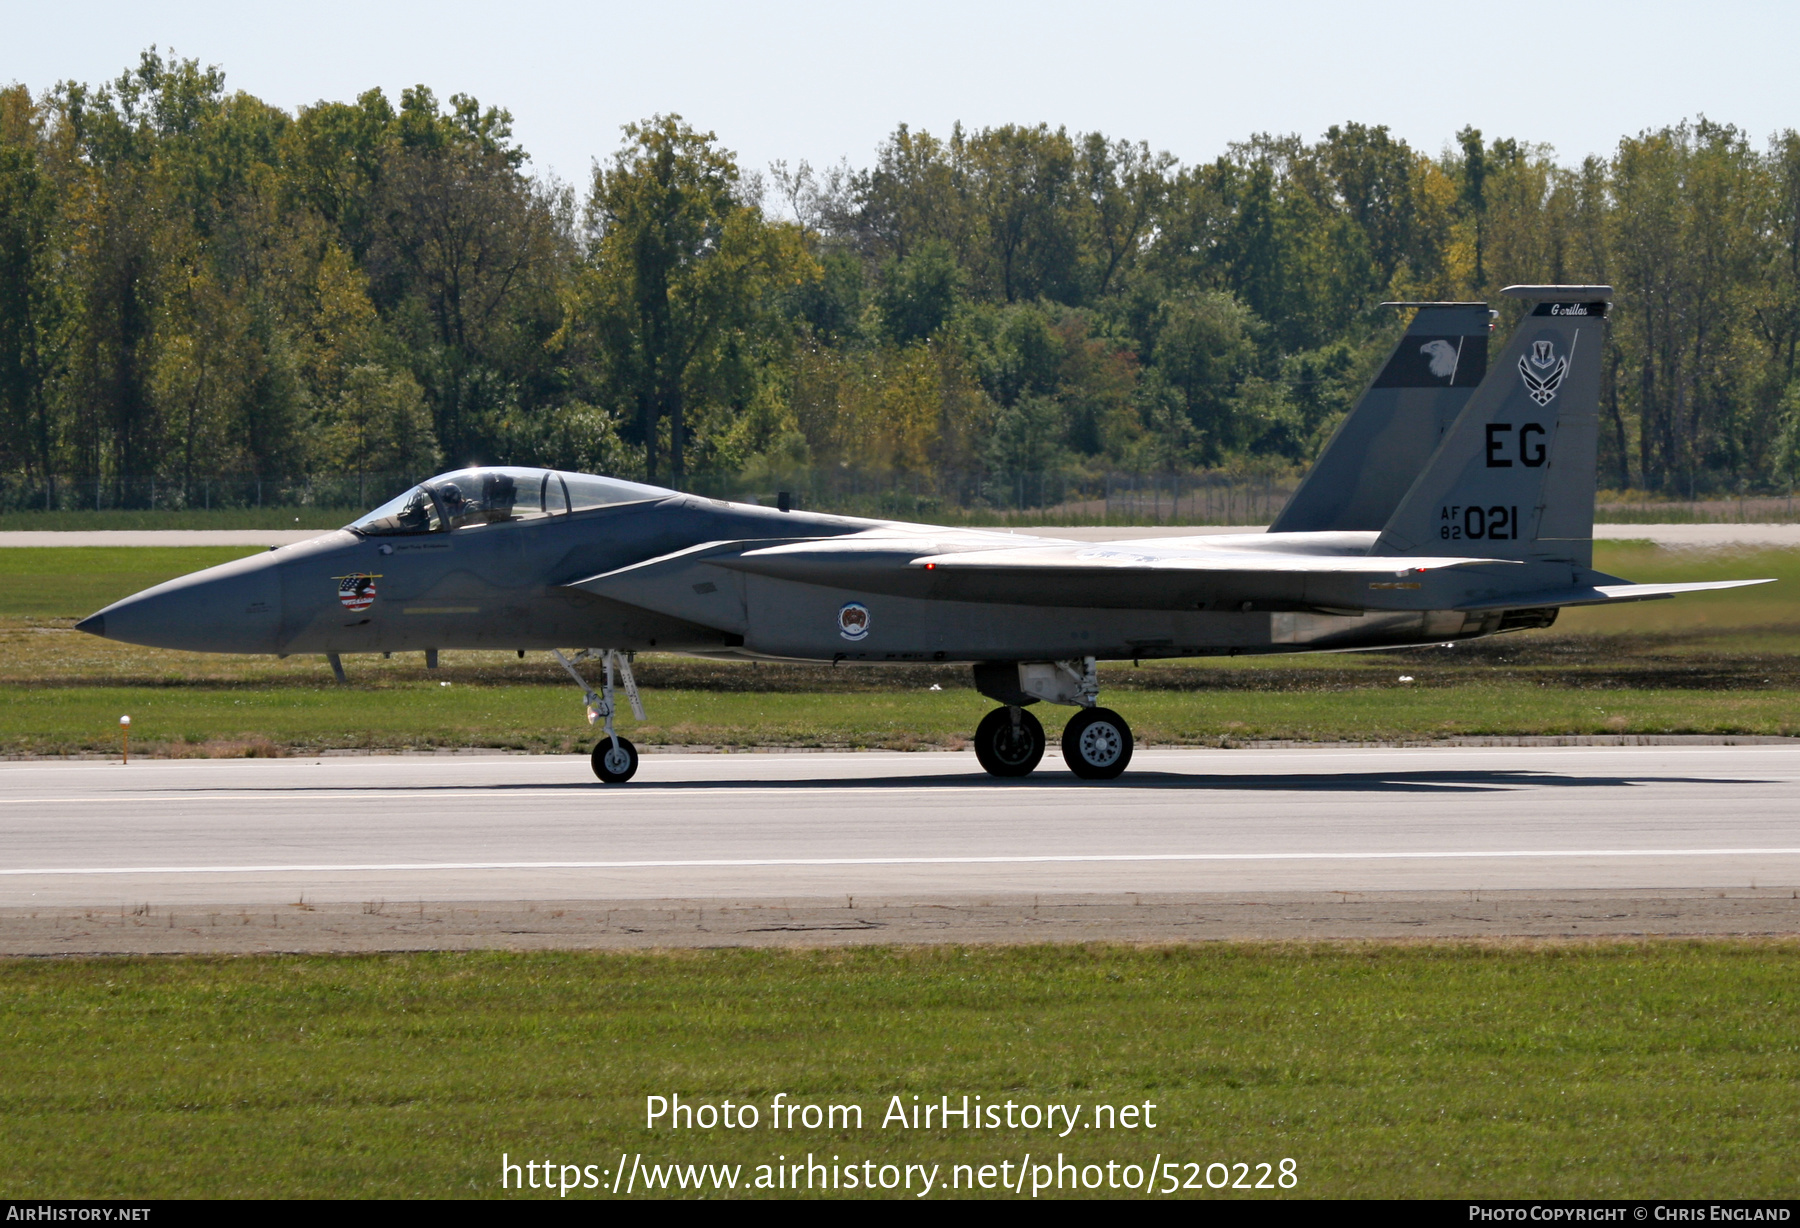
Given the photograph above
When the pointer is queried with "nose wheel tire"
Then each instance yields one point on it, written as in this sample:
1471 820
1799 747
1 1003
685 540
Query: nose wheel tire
1096 744
615 760
1005 749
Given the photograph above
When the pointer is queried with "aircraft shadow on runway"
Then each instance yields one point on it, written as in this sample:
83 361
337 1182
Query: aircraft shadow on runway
1469 781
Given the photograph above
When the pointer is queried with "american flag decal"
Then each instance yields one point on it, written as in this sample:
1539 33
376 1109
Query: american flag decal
357 592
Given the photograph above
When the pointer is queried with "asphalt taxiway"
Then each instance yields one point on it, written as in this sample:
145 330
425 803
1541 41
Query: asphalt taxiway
358 836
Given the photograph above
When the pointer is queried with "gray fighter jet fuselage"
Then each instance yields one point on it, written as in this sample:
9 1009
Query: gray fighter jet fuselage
1485 526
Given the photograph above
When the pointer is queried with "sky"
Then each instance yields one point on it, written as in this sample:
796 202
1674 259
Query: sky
821 83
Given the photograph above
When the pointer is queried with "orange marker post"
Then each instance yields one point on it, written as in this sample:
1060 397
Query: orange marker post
125 737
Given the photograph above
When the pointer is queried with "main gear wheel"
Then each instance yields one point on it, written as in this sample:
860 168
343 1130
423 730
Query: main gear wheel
1009 742
1096 744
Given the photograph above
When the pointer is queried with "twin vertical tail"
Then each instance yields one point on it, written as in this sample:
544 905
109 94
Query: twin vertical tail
1384 442
1514 477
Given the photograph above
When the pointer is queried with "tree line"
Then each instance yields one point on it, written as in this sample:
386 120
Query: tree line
194 282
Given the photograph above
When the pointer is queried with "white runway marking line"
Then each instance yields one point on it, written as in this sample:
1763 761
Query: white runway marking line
427 867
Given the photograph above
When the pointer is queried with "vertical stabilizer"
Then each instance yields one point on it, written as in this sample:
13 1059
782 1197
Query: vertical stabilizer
1514 476
1385 440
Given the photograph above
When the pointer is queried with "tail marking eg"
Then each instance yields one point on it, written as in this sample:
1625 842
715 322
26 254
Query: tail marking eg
1516 470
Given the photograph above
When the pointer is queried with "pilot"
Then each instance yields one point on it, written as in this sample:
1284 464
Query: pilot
456 504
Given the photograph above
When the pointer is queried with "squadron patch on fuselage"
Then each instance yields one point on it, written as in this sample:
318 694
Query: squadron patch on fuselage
853 621
357 592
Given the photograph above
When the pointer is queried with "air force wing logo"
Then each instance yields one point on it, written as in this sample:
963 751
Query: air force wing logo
357 593
1443 358
1543 371
853 621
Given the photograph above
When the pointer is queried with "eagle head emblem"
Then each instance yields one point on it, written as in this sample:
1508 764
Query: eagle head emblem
1443 358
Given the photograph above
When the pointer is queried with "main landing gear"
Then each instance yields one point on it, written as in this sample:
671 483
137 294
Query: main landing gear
1009 742
615 759
1096 744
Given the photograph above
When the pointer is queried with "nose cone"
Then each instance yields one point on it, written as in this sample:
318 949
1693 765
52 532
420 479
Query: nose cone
235 607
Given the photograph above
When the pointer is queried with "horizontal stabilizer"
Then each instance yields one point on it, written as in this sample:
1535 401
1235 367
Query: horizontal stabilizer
1603 594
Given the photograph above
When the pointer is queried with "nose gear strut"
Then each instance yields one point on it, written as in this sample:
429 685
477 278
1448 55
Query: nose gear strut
615 759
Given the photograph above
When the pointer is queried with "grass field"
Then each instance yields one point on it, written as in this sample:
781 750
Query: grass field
199 518
1650 1069
1710 663
1612 510
74 581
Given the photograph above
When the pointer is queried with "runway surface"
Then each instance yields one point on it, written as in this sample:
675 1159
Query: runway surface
250 833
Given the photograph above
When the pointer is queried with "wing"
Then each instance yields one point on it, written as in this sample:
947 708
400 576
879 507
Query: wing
1323 572
1164 573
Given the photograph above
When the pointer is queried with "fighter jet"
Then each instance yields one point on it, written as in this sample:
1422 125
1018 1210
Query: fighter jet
1456 501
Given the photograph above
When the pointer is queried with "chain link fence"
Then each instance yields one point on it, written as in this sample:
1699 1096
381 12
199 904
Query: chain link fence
348 492
1025 497
1035 497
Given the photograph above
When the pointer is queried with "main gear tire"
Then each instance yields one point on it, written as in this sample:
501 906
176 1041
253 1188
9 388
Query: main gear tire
1006 749
615 760
1096 744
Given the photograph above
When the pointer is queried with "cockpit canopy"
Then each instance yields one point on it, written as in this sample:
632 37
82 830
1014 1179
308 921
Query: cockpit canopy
494 495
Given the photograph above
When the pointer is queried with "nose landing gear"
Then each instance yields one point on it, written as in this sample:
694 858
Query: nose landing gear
615 759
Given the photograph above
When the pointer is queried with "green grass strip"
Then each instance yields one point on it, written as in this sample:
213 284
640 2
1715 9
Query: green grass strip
1648 1069
75 581
116 519
294 719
